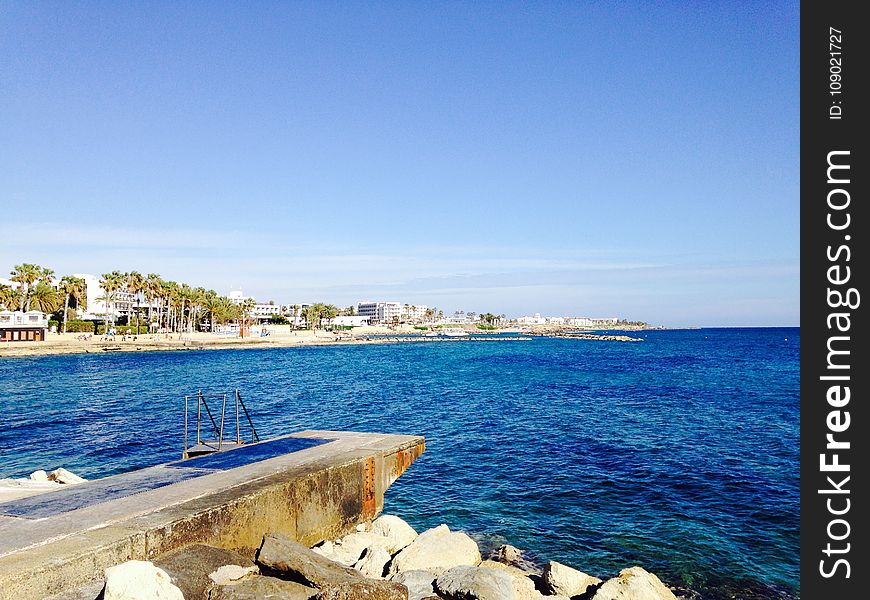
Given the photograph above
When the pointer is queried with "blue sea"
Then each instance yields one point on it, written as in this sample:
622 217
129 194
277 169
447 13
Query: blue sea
679 453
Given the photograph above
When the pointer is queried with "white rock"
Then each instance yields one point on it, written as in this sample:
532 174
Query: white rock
349 549
397 531
362 527
420 584
229 574
523 586
634 584
139 580
437 549
475 583
39 476
562 580
373 562
63 476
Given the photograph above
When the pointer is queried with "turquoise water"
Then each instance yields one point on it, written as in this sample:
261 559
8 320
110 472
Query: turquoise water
679 453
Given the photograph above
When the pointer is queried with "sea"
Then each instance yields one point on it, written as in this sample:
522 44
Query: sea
678 453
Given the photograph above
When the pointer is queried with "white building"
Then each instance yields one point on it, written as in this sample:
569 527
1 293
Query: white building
413 313
349 321
97 307
380 312
537 319
295 313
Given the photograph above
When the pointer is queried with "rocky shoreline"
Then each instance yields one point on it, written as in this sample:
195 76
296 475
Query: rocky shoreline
385 559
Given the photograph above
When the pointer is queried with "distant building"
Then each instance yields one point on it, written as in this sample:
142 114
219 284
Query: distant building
380 312
413 313
98 307
348 321
17 326
537 319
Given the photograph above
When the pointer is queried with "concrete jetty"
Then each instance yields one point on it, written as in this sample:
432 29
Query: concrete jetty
311 486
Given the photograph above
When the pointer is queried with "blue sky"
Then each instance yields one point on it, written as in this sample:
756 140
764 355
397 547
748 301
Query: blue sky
604 159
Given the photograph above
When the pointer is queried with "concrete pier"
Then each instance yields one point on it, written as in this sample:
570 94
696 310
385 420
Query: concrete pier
311 485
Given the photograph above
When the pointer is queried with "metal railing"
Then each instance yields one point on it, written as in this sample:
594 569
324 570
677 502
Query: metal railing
206 446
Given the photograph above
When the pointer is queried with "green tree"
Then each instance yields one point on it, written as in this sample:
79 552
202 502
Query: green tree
9 297
153 289
26 274
44 297
135 286
111 284
73 287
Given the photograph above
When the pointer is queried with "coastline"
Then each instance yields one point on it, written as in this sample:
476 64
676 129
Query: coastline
60 344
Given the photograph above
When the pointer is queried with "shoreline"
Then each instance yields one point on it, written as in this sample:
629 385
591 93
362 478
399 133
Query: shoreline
54 346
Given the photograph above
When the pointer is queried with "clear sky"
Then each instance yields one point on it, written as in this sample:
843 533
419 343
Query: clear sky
630 159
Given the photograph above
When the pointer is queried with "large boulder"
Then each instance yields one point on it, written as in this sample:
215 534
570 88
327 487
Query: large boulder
373 563
349 549
437 549
559 579
190 567
365 590
262 588
523 586
139 580
420 584
634 584
291 560
397 532
475 583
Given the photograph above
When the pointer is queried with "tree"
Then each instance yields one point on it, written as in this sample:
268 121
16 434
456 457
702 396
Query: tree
318 311
74 287
111 283
44 297
135 285
153 288
9 297
26 274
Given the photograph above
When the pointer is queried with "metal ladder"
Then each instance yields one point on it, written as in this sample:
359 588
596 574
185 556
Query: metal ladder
219 443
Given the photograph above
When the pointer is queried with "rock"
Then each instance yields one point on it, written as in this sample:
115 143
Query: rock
293 560
262 588
510 555
229 574
420 584
561 580
397 531
63 476
634 584
362 527
190 567
475 583
373 563
437 549
349 549
139 580
39 476
365 590
523 586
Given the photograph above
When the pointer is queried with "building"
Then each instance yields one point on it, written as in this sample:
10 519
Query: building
537 319
263 313
413 313
380 312
295 313
348 321
17 326
98 307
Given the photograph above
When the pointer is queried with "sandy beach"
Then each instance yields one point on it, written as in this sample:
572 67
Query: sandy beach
278 337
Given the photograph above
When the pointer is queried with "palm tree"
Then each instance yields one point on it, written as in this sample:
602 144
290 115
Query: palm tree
26 274
135 285
152 289
75 287
111 283
8 296
44 297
